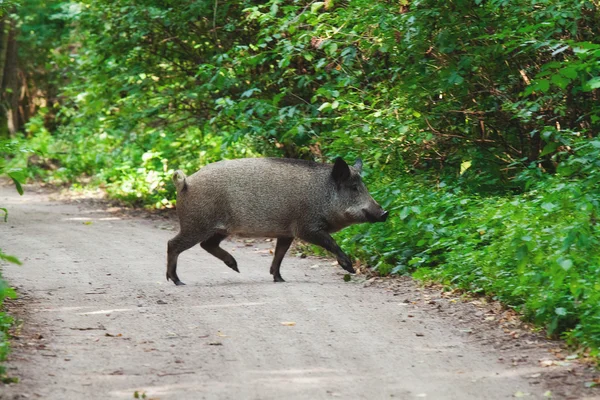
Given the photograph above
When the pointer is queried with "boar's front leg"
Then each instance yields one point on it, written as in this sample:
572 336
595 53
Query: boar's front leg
283 244
212 246
324 239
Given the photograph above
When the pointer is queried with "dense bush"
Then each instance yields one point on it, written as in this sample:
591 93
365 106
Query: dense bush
5 290
477 120
537 252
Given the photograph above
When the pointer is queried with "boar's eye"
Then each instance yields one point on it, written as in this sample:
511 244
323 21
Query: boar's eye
354 187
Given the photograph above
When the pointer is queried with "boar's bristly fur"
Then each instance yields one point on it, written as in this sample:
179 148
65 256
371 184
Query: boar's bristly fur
269 197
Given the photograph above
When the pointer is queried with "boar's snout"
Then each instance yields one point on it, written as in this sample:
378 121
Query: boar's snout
383 216
380 215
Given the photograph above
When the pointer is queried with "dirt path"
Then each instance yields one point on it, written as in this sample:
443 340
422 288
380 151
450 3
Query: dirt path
102 322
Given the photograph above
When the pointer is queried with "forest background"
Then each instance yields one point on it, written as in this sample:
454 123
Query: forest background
477 121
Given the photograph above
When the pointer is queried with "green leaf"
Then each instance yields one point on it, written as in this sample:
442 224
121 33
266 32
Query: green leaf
332 48
548 207
593 83
560 50
464 166
542 85
324 106
404 213
549 148
569 72
560 311
455 79
316 6
11 259
249 92
16 182
560 81
566 264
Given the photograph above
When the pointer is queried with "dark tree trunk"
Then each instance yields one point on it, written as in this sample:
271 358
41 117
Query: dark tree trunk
9 81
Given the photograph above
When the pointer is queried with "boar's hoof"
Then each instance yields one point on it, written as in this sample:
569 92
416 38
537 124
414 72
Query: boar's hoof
233 266
175 279
278 278
347 266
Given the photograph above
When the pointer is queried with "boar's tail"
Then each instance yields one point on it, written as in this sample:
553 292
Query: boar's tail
179 181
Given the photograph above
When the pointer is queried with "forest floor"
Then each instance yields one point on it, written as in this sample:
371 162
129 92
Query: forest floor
99 320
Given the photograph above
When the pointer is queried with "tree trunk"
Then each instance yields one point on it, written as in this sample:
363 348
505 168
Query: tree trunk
4 32
9 82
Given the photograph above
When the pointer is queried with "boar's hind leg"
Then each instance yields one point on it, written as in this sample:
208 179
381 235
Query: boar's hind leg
176 246
212 246
324 239
283 244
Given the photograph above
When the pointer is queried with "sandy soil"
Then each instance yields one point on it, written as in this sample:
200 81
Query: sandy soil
101 321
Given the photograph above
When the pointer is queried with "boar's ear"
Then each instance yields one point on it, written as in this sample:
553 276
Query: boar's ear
358 165
341 171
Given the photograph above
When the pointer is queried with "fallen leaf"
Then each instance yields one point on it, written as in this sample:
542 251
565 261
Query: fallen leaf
117 372
87 223
215 344
548 394
347 278
98 328
520 394
288 323
547 363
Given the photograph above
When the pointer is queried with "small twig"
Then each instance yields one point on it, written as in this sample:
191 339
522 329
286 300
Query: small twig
215 19
174 373
467 112
524 76
302 12
99 328
431 127
300 98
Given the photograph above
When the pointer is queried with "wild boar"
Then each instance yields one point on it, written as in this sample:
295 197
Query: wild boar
269 197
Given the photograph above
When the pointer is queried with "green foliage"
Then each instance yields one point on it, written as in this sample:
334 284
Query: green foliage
538 252
6 321
478 122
